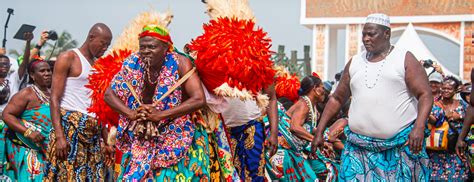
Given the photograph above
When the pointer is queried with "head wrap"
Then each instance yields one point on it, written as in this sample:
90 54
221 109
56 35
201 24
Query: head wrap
157 32
36 60
315 75
378 18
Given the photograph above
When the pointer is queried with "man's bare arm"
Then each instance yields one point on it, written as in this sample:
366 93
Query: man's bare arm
336 100
60 74
417 83
272 109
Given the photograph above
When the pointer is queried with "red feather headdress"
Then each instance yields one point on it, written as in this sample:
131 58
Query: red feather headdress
233 58
105 69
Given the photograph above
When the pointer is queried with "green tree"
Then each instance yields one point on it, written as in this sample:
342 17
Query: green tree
64 43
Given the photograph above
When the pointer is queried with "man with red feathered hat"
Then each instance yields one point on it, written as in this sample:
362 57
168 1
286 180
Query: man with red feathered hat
155 93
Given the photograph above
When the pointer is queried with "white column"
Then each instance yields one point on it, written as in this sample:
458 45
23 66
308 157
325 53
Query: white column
326 52
346 54
314 48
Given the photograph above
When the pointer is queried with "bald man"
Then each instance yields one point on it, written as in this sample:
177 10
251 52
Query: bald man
74 153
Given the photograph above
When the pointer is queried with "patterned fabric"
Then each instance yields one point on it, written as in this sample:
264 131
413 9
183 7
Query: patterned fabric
193 167
293 160
470 145
448 166
27 161
84 161
215 168
172 144
5 171
370 159
247 148
439 114
222 167
445 165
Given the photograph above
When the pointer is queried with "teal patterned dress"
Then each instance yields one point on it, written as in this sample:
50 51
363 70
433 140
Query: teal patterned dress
293 160
27 159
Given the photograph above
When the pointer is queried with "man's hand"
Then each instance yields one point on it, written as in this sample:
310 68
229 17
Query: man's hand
461 148
273 144
44 38
438 68
28 36
137 115
36 137
415 140
151 113
317 143
3 51
62 148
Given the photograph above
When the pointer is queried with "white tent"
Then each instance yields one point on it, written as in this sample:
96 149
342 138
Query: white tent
410 41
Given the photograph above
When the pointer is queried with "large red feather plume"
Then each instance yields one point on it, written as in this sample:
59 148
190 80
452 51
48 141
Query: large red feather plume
105 69
235 52
287 86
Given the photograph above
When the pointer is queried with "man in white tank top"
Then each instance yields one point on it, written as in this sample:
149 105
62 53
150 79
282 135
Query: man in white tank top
391 100
75 150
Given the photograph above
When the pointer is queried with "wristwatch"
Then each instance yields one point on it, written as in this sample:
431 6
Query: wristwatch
38 46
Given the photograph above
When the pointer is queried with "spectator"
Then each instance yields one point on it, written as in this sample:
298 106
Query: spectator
10 83
435 80
446 165
337 77
295 135
466 92
27 138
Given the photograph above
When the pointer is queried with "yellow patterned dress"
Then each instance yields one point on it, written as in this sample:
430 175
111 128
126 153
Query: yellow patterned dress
84 161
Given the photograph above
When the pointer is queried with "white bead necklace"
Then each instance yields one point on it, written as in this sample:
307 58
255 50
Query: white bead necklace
312 115
379 71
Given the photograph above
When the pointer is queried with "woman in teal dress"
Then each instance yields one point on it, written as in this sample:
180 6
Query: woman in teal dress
293 160
27 116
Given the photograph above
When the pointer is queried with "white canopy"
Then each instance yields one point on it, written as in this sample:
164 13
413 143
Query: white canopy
410 41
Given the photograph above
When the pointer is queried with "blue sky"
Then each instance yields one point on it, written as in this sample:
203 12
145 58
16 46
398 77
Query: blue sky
280 18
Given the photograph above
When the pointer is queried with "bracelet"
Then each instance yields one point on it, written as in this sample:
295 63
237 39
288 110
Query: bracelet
38 46
28 132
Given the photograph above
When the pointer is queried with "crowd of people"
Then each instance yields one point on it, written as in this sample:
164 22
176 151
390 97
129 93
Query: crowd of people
384 119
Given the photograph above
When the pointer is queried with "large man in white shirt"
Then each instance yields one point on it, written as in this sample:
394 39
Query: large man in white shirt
391 100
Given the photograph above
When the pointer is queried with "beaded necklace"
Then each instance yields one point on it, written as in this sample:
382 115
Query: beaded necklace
312 115
43 97
379 70
147 66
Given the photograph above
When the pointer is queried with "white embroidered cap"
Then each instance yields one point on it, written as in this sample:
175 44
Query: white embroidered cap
378 18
